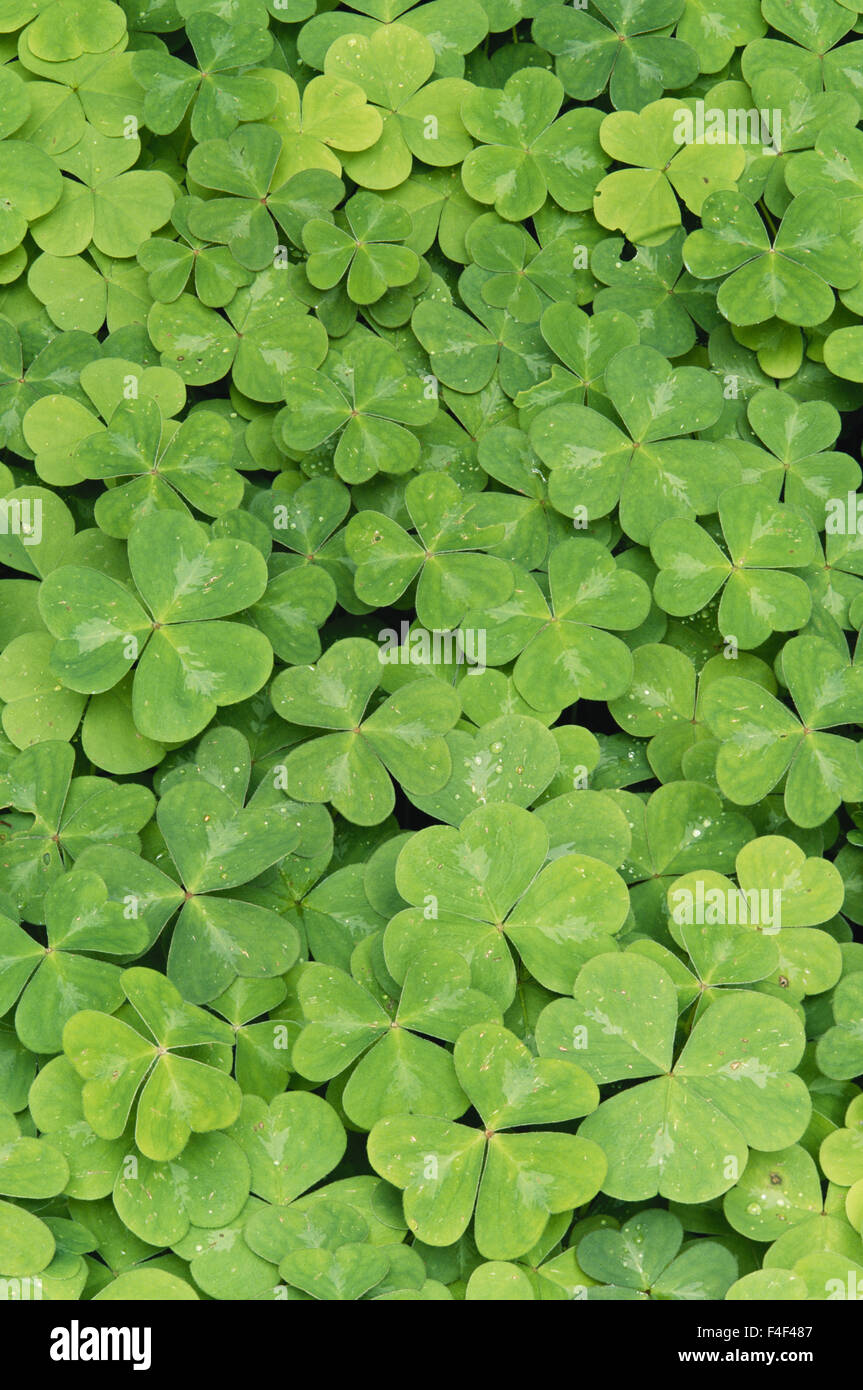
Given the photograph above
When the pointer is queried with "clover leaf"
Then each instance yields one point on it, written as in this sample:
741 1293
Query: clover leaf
218 89
512 758
247 166
58 816
642 201
665 702
644 1260
290 1144
791 278
586 345
469 895
57 366
419 118
801 435
189 584
368 399
86 292
403 736
781 896
841 1153
63 32
321 124
716 31
626 55
105 202
35 705
304 521
28 1244
57 1109
445 1169
466 349
525 152
32 186
269 334
261 1057
681 825
400 1070
450 527
431 805
821 767
764 539
170 263
118 1062
652 471
204 1186
54 980
524 277
778 1192
363 250
839 1048
732 1087
193 461
218 844
564 648
812 34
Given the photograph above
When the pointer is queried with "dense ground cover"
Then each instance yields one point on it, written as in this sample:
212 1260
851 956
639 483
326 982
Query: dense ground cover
429 668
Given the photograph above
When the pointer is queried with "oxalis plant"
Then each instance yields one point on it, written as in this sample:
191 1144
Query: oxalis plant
431 797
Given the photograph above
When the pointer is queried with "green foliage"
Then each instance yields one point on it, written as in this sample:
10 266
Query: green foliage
431 799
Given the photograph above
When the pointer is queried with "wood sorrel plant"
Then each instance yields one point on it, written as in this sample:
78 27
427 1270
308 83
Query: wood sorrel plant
432 576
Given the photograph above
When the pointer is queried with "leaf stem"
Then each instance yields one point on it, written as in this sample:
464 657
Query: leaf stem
768 219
